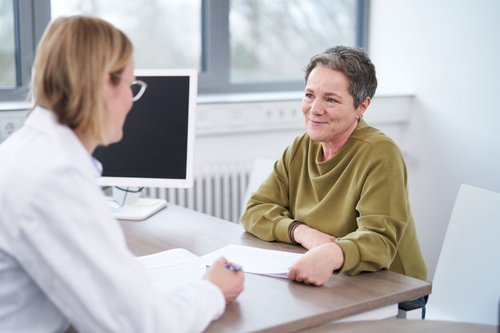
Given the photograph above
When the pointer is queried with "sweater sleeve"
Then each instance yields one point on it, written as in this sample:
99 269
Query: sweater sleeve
383 212
267 215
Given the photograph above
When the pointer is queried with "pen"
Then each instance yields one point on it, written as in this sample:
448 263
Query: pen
234 268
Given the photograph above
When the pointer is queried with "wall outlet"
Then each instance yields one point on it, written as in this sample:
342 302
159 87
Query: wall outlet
239 117
10 121
8 127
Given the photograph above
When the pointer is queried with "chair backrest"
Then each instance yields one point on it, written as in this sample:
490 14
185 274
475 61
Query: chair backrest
262 167
466 284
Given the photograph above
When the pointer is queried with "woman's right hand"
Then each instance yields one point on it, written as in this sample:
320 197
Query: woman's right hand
317 265
228 281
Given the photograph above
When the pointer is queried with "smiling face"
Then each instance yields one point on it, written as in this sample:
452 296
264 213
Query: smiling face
329 112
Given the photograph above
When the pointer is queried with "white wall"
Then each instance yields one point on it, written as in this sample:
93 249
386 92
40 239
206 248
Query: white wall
446 53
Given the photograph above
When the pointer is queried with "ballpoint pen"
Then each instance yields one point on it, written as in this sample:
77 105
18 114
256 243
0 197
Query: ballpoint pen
234 268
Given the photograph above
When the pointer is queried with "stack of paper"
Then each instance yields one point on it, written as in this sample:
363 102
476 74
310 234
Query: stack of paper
172 268
255 260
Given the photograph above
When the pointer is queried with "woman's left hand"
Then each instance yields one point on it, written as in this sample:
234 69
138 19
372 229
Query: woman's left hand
309 237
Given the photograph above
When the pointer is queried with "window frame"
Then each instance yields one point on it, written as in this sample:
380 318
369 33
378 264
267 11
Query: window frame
30 19
214 78
32 16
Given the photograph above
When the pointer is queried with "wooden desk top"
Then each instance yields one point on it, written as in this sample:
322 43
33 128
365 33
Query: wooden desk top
269 304
402 326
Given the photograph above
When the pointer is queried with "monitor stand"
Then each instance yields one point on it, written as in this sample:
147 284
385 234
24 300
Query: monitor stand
130 206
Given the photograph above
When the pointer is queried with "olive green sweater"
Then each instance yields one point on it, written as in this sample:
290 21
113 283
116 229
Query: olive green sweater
359 196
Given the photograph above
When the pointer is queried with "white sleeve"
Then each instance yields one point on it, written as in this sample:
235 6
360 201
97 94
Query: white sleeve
75 251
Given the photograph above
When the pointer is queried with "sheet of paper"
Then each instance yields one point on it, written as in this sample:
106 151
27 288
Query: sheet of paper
172 268
255 260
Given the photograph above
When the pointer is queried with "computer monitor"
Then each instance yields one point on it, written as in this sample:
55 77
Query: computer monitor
157 145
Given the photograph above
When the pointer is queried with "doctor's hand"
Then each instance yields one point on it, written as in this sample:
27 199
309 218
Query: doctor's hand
309 237
228 281
317 265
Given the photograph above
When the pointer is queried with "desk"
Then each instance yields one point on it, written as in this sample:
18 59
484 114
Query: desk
404 326
270 304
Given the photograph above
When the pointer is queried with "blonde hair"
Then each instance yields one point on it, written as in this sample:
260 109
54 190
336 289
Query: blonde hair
73 57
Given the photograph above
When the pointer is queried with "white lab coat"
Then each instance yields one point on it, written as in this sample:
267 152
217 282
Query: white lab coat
63 258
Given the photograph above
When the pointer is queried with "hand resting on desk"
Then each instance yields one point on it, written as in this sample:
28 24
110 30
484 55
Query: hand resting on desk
317 265
228 281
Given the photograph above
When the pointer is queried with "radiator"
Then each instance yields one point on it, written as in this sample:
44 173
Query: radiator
218 190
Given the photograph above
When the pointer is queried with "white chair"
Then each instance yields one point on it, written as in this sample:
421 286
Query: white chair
466 284
262 167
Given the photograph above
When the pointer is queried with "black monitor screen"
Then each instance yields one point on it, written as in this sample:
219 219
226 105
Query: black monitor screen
156 148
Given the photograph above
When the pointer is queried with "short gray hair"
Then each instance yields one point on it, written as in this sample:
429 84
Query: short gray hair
355 64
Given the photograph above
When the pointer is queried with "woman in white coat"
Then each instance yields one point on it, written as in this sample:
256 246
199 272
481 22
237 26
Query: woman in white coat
63 258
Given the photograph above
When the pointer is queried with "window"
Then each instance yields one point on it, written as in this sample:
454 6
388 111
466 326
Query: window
8 77
165 34
262 45
237 45
19 31
272 40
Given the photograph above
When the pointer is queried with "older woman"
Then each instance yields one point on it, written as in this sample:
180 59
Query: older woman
63 258
339 190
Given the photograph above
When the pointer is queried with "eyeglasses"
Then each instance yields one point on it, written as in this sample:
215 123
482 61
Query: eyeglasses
138 88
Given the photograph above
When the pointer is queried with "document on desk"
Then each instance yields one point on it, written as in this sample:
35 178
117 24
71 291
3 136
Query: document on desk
170 269
255 260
